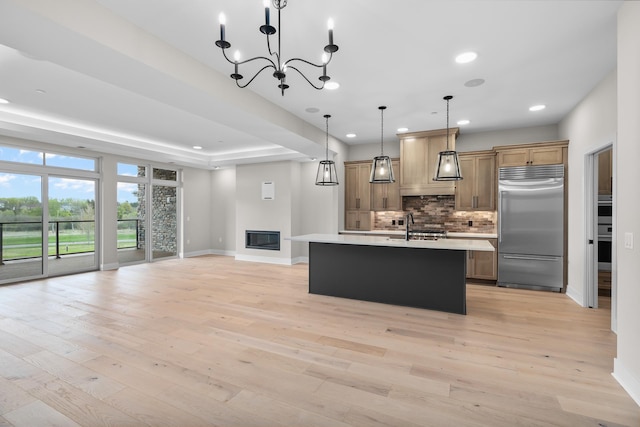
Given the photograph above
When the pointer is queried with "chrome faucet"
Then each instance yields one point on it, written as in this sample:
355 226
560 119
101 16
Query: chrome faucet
408 217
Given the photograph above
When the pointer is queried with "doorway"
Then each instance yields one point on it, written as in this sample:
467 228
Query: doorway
600 223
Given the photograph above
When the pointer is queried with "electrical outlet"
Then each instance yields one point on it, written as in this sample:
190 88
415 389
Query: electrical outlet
628 240
393 222
401 222
470 223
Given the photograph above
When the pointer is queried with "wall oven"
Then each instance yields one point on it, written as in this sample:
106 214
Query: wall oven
605 230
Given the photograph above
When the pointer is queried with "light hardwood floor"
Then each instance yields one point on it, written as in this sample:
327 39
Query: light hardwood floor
213 341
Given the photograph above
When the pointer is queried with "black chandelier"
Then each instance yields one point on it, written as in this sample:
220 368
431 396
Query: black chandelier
279 66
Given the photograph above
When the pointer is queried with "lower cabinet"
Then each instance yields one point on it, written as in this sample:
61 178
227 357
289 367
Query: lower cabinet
482 265
358 220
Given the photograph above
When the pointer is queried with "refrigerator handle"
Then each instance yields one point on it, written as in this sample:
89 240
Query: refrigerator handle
532 257
500 193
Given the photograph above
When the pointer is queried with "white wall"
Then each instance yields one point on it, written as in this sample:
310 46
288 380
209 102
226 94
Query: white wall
222 214
627 157
591 125
488 140
253 213
465 142
196 197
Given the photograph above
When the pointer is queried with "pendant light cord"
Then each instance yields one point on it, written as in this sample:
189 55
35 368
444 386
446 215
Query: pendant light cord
382 108
448 98
326 116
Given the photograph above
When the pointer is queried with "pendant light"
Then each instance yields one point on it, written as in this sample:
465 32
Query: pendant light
327 174
448 166
381 170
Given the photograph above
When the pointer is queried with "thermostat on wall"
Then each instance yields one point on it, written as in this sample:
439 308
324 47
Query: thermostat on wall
268 190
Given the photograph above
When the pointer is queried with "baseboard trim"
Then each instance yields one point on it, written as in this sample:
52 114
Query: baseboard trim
572 293
300 260
264 259
626 380
107 267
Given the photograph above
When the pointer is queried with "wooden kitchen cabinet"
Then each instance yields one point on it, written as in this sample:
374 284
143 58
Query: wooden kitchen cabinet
605 173
358 220
386 197
480 264
357 188
477 189
483 265
543 153
418 162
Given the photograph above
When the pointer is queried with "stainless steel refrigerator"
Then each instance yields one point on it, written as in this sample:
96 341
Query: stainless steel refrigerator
530 227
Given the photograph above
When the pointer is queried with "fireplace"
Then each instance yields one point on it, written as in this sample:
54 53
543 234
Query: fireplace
266 240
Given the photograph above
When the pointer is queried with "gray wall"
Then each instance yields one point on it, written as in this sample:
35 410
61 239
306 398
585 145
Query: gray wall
222 215
196 193
589 127
626 157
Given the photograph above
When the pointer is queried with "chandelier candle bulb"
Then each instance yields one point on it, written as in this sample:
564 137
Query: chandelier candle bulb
330 25
223 21
266 12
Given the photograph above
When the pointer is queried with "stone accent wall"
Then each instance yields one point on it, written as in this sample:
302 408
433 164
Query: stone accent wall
437 212
164 224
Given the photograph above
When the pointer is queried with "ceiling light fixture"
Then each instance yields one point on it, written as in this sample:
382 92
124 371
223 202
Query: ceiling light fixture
466 57
403 129
279 65
537 107
327 174
4 101
197 147
381 169
448 168
351 135
463 122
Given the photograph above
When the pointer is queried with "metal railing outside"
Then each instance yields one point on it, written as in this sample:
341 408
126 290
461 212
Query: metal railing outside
23 239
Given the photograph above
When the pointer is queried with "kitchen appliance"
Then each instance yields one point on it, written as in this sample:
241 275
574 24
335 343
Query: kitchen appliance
433 234
531 227
605 229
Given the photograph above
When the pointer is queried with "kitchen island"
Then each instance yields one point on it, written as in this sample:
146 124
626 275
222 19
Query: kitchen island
416 273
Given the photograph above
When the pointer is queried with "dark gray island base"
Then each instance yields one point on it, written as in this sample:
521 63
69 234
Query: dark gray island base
409 276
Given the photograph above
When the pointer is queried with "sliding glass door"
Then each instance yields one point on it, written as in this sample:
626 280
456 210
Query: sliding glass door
21 227
72 225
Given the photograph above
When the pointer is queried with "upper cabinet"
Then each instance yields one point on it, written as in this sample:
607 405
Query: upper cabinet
418 162
605 173
551 153
476 191
357 188
386 197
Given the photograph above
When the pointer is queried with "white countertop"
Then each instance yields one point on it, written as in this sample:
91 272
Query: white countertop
451 234
346 239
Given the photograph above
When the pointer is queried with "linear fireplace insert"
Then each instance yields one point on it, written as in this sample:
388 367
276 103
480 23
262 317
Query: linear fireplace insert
258 239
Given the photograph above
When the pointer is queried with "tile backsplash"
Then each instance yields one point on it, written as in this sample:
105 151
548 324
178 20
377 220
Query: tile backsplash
437 212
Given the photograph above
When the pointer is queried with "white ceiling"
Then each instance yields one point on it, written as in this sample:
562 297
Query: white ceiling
144 77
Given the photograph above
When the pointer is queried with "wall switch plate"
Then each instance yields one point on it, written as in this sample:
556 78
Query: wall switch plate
628 240
393 222
401 222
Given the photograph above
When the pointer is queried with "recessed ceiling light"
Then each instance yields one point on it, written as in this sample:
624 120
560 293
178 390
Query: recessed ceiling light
41 91
537 107
331 85
312 109
4 101
403 129
313 159
466 57
351 135
197 147
474 83
463 122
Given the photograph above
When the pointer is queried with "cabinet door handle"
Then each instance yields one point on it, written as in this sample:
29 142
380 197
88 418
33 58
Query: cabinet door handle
357 203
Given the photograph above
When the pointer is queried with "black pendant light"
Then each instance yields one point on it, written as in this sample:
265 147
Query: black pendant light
448 166
381 170
327 174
